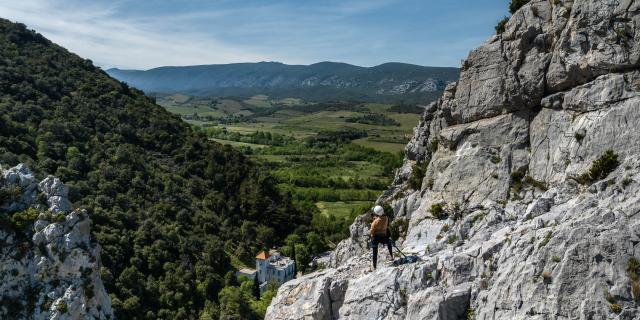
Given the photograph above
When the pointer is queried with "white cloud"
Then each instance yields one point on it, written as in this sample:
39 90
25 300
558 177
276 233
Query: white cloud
98 33
152 33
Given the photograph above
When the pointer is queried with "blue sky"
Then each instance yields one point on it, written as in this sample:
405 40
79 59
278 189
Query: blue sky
147 34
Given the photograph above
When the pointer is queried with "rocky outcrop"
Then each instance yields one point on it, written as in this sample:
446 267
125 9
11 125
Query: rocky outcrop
523 233
49 263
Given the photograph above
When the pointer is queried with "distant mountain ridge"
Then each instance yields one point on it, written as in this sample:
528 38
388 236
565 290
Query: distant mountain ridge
318 82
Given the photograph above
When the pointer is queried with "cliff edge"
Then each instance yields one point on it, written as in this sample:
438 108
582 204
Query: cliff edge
527 204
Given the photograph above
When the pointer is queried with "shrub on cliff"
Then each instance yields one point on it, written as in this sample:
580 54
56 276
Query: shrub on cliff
22 219
517 4
501 26
418 171
601 167
438 212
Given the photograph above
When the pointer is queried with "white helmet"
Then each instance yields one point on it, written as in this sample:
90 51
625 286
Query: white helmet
378 211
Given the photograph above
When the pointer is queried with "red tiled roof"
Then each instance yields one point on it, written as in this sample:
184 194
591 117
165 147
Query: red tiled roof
262 255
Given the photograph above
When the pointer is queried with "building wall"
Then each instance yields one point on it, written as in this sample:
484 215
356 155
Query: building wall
261 269
266 272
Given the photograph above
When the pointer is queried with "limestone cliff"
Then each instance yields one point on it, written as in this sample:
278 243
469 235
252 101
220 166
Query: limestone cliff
522 212
49 264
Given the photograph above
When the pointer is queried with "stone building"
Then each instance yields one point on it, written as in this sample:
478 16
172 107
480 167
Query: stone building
273 266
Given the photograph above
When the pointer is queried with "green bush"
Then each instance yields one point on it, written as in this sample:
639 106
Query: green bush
516 179
418 171
471 314
600 168
24 218
399 228
433 146
60 217
502 25
62 307
517 4
10 194
437 211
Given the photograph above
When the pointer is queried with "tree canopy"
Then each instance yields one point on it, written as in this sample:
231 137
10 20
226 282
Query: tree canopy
167 205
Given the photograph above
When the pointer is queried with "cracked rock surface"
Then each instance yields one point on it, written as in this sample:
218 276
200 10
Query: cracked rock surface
49 267
525 236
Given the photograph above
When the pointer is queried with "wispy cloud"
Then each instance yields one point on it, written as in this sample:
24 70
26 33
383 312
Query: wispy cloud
97 32
146 34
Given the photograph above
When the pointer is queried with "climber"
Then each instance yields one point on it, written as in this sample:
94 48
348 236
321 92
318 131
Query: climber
380 234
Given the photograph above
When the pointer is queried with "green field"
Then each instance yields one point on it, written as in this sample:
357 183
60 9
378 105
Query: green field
341 208
336 178
288 117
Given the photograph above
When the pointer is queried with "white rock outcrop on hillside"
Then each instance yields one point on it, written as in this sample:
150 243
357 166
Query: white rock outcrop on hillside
534 107
51 268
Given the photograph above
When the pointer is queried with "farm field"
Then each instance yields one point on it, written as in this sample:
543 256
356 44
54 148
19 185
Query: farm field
334 159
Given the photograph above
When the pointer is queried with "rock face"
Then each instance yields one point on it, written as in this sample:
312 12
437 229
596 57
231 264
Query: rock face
49 264
527 235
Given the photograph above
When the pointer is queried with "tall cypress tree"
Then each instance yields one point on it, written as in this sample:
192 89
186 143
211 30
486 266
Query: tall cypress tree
256 287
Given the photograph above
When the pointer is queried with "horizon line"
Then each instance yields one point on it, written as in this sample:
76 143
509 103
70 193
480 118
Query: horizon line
106 68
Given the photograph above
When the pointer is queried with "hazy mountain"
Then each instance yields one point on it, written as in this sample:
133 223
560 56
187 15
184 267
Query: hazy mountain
320 81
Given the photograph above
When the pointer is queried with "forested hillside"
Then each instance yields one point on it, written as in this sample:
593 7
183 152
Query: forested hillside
169 208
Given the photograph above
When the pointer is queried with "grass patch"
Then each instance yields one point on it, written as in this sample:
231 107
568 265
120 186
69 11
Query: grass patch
477 218
600 168
535 183
546 240
471 314
381 145
340 209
